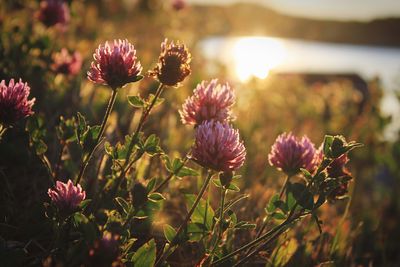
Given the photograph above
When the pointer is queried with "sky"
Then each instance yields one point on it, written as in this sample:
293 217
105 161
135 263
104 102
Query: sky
326 9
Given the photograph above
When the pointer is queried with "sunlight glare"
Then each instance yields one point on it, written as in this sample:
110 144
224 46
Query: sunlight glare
256 56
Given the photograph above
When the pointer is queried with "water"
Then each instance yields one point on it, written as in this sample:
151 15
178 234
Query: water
256 56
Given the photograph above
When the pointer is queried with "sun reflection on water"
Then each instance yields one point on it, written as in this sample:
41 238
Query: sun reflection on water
257 56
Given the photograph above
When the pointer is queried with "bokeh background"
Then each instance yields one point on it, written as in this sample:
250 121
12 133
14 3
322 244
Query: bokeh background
311 67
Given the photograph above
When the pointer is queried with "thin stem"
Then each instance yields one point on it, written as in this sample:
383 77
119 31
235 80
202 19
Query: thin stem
259 248
139 127
187 218
254 242
267 220
284 186
221 226
102 129
171 175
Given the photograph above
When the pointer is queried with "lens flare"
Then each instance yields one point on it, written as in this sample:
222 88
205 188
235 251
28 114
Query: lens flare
257 56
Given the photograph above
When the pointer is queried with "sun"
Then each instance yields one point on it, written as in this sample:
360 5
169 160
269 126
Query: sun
256 56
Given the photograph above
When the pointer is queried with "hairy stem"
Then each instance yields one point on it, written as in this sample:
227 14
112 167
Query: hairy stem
221 226
102 129
187 218
139 127
171 175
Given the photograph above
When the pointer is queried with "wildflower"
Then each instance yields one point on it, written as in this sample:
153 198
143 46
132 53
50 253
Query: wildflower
67 64
105 251
338 172
66 196
178 4
115 64
14 103
53 12
290 153
210 101
217 146
173 64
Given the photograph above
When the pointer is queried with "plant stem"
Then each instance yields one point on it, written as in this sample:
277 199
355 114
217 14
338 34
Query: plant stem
284 186
133 142
254 242
187 218
267 220
171 175
221 226
102 129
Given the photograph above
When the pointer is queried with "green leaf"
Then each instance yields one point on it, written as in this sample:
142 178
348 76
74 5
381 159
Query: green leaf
306 174
85 203
302 195
145 256
123 204
217 182
40 147
233 187
151 184
279 216
290 201
186 171
136 101
200 214
169 232
156 197
271 207
158 101
327 145
151 145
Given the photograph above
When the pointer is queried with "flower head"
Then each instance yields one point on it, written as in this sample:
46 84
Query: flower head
66 196
173 64
218 147
66 63
210 101
14 103
290 153
53 12
338 171
115 64
178 4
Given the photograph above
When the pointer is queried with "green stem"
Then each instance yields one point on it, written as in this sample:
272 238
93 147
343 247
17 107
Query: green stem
171 175
133 142
186 220
102 129
267 220
254 242
284 186
221 226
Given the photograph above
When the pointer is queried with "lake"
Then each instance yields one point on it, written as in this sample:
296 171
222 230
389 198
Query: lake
256 56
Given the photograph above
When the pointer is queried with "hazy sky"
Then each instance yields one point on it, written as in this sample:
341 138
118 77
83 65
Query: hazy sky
326 9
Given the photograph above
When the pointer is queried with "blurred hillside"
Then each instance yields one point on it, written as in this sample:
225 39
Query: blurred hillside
248 19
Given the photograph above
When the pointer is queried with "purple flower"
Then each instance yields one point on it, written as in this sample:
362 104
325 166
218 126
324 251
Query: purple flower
173 64
210 101
14 103
178 4
218 147
290 153
53 12
338 171
66 196
66 63
115 64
